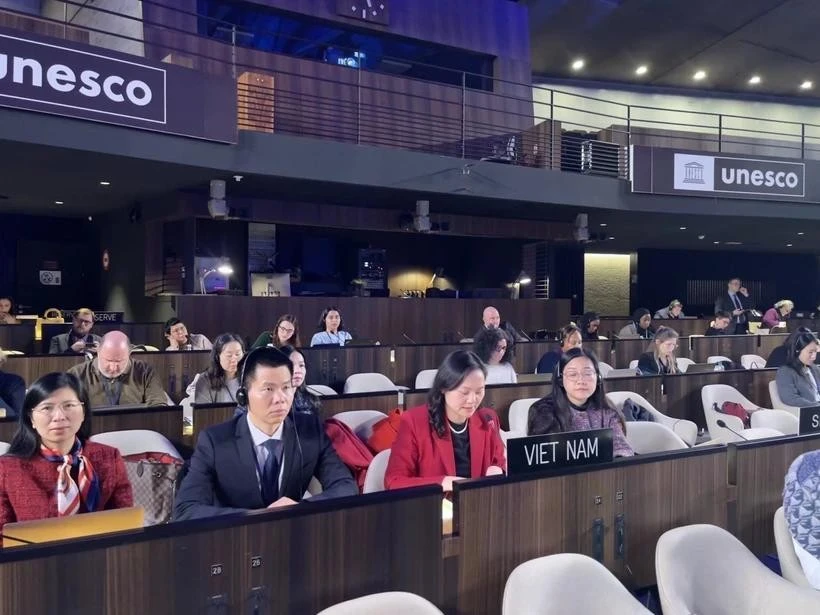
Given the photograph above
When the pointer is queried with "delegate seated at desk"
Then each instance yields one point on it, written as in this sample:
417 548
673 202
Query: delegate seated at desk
51 469
265 457
798 380
451 437
577 403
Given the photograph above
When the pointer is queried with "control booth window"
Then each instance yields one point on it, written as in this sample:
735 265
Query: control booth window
265 29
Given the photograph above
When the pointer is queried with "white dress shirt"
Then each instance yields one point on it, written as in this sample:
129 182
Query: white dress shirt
259 438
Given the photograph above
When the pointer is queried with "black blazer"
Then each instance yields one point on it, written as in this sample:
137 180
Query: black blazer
724 303
222 476
648 366
12 393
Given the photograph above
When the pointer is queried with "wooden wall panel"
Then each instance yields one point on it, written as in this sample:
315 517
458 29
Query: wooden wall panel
18 337
383 319
758 471
555 514
308 559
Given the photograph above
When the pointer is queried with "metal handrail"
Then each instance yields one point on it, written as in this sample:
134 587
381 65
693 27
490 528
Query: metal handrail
543 127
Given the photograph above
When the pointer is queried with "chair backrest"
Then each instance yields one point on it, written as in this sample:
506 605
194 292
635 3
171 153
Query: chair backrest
321 390
790 565
424 379
395 603
136 441
683 364
360 421
781 420
518 414
633 364
717 359
4 448
645 438
369 382
712 394
374 478
684 429
692 565
604 369
566 583
777 403
752 361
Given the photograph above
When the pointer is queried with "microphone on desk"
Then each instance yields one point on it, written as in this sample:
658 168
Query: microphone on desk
408 338
722 423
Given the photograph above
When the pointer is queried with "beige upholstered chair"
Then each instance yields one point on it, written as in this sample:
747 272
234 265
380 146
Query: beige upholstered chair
789 563
393 603
704 569
646 438
684 429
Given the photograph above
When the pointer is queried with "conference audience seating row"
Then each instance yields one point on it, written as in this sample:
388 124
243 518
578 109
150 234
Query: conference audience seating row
401 364
393 541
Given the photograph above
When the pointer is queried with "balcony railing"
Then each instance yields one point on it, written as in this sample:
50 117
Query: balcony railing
507 123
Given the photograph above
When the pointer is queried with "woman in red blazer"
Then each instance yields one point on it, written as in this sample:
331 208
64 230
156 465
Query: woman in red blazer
452 437
51 469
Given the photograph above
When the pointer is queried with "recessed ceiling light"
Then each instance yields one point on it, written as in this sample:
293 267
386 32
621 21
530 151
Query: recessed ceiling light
612 237
603 223
578 64
58 202
90 219
806 85
105 183
642 69
683 228
788 245
699 76
801 233
754 80
716 242
734 243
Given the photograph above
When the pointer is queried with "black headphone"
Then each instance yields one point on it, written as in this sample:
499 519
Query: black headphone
558 375
242 392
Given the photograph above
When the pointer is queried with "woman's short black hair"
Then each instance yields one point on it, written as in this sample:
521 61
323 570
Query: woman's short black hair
26 441
451 373
170 323
486 341
796 346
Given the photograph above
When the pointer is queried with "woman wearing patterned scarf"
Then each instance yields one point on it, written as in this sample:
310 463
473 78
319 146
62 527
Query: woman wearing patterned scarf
801 507
51 469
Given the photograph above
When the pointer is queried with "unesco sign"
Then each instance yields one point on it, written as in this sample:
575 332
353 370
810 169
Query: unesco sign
664 171
91 83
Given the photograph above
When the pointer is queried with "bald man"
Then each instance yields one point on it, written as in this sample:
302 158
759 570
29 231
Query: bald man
491 319
114 379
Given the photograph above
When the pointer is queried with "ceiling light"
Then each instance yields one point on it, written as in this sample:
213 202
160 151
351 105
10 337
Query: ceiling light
701 236
603 223
642 69
788 245
716 242
683 228
806 85
699 76
105 183
754 80
90 219
612 238
58 202
578 64
734 243
801 233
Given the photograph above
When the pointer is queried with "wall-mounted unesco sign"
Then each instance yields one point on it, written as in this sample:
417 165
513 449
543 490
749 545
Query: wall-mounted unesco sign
66 78
664 171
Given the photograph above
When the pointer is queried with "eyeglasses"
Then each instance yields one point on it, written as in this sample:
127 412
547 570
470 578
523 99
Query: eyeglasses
82 321
500 348
576 376
285 329
68 408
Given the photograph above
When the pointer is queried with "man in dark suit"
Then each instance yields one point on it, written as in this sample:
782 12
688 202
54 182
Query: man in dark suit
80 339
736 301
265 457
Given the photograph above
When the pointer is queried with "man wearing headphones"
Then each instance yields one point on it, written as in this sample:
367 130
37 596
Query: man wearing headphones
265 457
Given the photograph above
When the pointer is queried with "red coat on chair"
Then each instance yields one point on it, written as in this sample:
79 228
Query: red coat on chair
420 457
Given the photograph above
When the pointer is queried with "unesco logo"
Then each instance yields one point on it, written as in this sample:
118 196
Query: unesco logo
694 172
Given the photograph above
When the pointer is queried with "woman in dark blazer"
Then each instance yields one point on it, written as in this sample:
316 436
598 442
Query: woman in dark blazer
451 437
52 469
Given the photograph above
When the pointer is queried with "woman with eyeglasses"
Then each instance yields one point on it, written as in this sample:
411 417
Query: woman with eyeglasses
494 347
285 332
577 402
220 382
51 468
660 359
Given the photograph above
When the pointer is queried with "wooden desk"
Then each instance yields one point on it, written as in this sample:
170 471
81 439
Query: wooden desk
151 333
18 337
294 561
732 346
501 523
757 470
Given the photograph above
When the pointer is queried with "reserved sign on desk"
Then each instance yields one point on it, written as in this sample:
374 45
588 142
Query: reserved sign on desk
560 450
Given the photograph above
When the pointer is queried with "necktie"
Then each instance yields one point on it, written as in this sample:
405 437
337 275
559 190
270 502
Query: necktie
736 301
270 472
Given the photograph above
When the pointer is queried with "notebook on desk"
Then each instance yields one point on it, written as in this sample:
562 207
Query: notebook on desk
702 368
74 526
